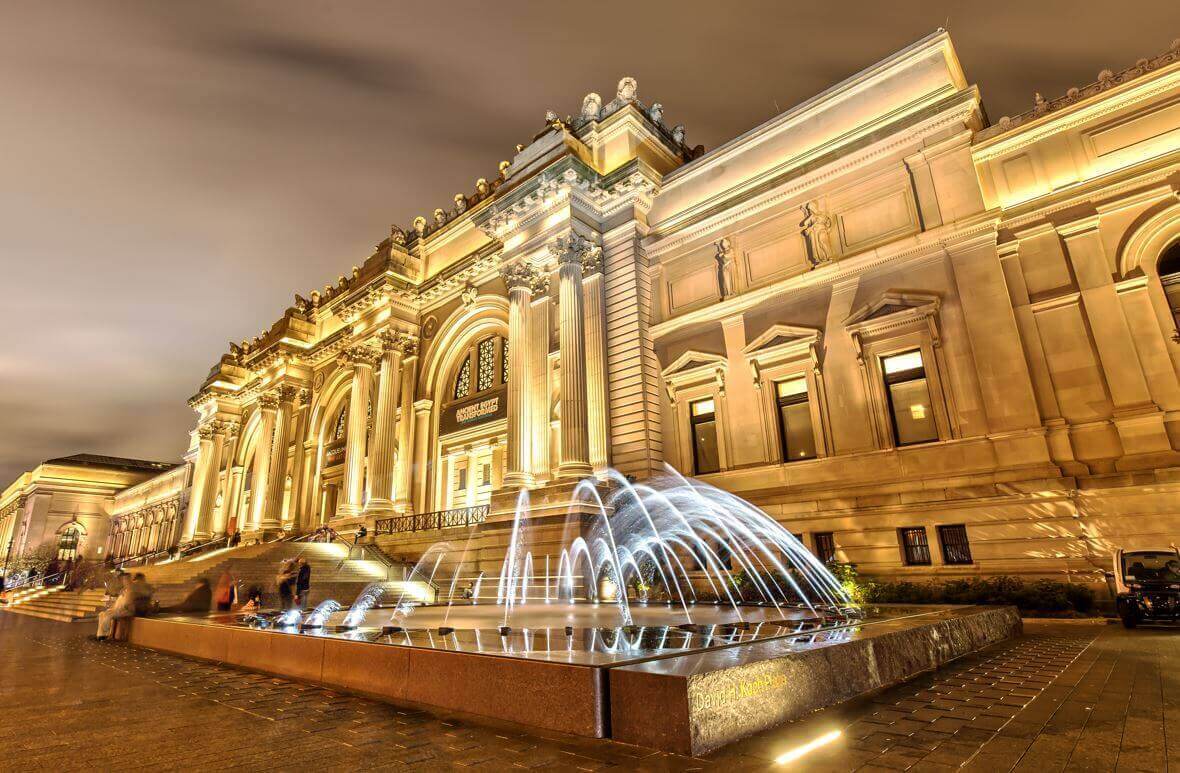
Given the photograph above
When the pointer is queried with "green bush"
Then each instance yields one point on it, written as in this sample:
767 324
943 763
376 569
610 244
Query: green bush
1039 596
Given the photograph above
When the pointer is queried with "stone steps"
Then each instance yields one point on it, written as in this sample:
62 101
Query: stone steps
64 606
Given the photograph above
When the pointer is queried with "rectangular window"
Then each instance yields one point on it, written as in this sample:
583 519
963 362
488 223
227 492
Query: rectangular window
703 425
461 479
915 548
487 475
825 546
794 420
909 399
955 547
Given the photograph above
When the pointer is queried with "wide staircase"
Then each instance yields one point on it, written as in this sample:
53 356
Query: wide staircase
334 575
54 603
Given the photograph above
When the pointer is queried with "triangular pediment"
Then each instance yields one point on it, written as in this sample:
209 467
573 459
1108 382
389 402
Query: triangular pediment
781 335
692 361
891 304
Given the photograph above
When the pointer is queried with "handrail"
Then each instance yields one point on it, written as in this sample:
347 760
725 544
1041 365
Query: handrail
454 518
34 582
182 551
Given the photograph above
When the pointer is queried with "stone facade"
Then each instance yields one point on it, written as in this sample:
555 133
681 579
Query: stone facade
925 344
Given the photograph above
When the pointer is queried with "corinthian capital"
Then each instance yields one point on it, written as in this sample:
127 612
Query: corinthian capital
518 275
268 401
592 260
396 341
206 430
569 248
287 393
357 356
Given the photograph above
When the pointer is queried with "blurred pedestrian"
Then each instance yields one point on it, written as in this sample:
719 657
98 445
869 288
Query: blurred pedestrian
226 594
303 582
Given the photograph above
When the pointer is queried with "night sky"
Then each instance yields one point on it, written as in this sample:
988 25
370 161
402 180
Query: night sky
170 173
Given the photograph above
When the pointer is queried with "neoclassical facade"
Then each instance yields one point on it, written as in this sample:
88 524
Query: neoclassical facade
924 343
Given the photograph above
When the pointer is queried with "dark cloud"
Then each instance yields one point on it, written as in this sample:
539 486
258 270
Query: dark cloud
170 173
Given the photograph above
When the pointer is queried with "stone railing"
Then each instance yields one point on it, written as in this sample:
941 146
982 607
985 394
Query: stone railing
457 518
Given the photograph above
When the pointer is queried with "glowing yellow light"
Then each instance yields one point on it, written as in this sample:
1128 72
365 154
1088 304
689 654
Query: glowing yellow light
918 411
807 748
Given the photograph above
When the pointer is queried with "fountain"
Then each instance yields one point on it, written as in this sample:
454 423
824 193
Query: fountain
664 613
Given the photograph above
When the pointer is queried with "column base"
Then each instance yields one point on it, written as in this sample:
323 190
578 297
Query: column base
403 507
574 470
517 480
378 507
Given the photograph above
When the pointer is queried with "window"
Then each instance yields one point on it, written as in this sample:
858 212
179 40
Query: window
1169 271
794 420
67 544
504 362
909 398
486 372
461 479
702 417
463 380
486 479
915 549
955 548
825 546
341 423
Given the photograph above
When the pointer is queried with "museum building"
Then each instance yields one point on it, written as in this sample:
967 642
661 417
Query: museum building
925 343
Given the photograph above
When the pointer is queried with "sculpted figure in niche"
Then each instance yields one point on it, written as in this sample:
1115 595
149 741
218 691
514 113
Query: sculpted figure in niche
628 88
591 107
724 259
817 230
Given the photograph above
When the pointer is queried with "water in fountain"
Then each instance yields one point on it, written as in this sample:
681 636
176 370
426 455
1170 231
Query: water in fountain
321 613
653 538
289 618
365 601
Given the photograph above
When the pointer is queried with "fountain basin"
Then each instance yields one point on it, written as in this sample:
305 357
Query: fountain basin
684 691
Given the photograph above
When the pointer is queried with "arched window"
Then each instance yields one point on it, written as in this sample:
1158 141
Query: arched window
341 425
67 543
487 360
1169 271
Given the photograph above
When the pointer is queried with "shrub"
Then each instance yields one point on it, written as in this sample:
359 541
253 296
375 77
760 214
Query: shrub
1039 596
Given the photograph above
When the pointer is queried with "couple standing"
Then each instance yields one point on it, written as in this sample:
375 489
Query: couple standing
294 583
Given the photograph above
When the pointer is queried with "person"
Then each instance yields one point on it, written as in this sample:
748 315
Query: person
235 539
121 608
143 594
303 582
286 584
32 578
253 599
227 592
51 572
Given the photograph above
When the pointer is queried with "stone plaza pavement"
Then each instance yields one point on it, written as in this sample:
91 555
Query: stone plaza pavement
1065 696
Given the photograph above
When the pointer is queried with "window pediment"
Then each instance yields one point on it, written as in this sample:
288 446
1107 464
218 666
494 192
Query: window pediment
783 342
892 311
694 367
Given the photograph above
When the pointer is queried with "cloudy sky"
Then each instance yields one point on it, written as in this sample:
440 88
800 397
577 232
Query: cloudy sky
171 172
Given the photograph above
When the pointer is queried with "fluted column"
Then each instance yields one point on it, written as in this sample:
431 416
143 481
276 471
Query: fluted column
596 403
389 382
192 516
404 498
541 396
575 444
267 405
422 410
218 430
221 518
519 278
233 498
354 459
276 479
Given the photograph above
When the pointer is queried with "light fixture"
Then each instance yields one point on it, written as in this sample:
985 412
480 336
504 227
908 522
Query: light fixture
807 748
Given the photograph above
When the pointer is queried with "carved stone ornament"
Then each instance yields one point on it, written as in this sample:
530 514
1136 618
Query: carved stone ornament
408 344
468 295
420 225
724 258
678 134
287 393
429 327
206 430
440 217
591 107
817 230
656 113
397 235
628 88
268 401
568 248
550 116
517 275
460 203
318 382
591 259
482 188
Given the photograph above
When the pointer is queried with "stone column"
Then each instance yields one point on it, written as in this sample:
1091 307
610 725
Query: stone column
296 514
354 459
233 497
540 395
404 500
221 517
385 426
575 442
519 277
192 516
422 410
218 431
276 479
596 404
267 404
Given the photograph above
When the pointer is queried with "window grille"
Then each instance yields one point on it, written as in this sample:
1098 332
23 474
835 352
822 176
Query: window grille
915 548
463 380
486 373
955 547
